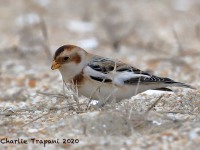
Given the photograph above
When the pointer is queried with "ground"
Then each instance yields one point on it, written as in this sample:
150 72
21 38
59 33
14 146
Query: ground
162 37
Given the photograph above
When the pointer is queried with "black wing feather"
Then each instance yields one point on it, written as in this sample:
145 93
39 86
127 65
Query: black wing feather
151 79
100 79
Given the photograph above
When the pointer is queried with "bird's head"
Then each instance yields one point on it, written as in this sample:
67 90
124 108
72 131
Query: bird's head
67 54
69 59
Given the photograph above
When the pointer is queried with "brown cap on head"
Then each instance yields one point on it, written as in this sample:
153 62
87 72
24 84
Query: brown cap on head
62 48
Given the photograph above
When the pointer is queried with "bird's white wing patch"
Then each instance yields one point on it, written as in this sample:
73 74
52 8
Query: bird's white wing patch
91 72
120 77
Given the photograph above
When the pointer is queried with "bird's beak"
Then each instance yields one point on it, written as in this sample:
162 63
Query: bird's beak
55 65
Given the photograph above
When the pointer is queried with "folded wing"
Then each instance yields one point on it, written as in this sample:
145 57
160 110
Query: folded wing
108 70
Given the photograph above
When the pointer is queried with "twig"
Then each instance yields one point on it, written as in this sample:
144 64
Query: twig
138 83
142 121
72 104
65 85
90 99
45 35
154 104
129 116
180 47
50 111
74 89
35 119
51 94
175 112
107 98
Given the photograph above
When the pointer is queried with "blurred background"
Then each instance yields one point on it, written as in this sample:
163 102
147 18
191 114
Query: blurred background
162 37
156 35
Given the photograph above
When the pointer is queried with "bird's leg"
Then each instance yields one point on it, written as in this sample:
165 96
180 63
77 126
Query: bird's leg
64 92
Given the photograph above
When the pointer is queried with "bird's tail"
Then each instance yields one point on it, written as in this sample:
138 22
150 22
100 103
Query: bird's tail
170 82
179 84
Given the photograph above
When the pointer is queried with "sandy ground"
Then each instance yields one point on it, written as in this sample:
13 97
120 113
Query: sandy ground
162 37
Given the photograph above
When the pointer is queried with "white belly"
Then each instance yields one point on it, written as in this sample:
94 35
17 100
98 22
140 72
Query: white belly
107 91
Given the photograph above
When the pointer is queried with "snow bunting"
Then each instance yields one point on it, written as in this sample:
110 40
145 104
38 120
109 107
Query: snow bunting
98 77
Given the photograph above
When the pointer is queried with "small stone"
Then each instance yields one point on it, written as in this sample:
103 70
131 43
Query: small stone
32 83
33 130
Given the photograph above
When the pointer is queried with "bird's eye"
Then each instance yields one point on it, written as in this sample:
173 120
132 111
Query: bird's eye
66 58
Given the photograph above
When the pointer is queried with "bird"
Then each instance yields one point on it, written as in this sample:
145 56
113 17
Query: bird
101 78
